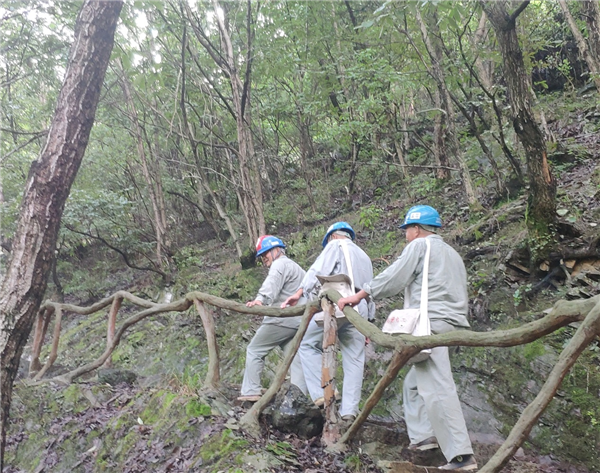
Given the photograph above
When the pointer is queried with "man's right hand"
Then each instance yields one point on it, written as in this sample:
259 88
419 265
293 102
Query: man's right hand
292 300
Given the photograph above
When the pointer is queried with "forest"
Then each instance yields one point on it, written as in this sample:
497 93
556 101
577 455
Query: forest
146 146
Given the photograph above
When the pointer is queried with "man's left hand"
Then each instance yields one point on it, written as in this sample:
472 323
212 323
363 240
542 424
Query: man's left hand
253 303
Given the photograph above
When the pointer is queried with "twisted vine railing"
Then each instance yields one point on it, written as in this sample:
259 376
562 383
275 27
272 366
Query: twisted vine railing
404 346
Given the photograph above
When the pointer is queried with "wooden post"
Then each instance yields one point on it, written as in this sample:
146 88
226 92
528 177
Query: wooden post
213 377
110 331
41 327
331 431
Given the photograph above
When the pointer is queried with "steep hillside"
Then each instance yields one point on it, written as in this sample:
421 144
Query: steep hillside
160 423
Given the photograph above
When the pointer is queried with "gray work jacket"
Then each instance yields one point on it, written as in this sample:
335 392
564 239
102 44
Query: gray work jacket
331 261
448 299
283 280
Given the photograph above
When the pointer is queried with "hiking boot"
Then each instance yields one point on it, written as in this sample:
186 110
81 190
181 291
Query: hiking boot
427 444
461 463
249 398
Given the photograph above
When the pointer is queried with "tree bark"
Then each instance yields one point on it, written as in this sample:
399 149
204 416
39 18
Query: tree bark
47 188
226 58
541 209
591 61
331 430
446 127
153 179
592 19
484 67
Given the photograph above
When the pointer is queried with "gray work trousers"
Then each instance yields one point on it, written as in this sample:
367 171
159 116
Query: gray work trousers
352 346
267 338
431 405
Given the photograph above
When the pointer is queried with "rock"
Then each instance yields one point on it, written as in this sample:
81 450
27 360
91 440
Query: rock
387 432
293 412
114 376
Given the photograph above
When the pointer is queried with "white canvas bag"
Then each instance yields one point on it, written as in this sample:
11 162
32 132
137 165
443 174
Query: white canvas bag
340 282
414 321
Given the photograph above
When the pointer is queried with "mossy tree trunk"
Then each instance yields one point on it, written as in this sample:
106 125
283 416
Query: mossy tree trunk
47 188
541 206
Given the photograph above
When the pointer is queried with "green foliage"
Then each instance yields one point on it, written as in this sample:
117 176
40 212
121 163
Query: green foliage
196 409
353 462
188 257
369 216
519 294
534 350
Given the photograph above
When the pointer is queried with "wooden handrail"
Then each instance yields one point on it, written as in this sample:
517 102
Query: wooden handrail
405 346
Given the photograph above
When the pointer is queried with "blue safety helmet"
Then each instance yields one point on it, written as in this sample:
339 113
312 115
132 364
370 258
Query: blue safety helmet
344 226
266 243
422 215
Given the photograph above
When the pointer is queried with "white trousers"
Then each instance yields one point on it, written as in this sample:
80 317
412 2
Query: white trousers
431 404
352 346
267 338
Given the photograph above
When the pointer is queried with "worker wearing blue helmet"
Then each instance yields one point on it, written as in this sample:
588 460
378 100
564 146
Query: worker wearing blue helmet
284 277
432 411
339 238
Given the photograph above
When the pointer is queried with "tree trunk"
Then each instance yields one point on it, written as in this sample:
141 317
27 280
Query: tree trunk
484 67
439 139
306 151
591 60
592 19
249 172
225 57
541 209
450 136
153 179
47 188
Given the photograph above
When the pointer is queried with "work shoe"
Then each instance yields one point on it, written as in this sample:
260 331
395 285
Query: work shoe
427 444
461 463
249 398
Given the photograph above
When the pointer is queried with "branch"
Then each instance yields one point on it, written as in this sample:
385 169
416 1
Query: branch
586 332
518 11
180 305
21 146
121 252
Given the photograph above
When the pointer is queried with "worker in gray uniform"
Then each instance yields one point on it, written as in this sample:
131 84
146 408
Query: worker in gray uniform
330 262
432 409
283 279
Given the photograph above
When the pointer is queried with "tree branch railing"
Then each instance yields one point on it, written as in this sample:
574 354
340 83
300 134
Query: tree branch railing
404 347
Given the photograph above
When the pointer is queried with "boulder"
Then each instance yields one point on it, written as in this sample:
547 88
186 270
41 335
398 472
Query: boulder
114 376
294 412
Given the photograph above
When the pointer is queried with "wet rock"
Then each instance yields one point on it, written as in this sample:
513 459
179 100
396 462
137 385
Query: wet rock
382 431
293 412
114 376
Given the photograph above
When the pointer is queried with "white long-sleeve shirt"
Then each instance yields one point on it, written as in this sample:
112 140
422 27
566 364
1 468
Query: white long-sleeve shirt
283 280
332 261
447 298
